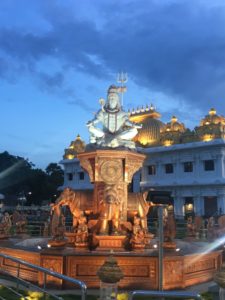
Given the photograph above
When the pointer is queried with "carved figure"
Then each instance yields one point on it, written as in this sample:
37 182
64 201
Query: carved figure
57 226
82 231
70 198
137 203
211 230
198 223
5 224
138 234
110 209
221 223
169 226
55 218
190 227
46 229
19 221
117 129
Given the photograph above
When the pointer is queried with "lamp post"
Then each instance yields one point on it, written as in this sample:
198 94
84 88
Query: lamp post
160 220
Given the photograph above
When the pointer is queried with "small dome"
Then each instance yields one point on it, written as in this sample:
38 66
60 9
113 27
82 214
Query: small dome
150 131
174 125
212 118
212 112
77 146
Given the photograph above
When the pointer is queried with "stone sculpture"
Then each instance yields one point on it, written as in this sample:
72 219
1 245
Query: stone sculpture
19 222
110 210
169 227
70 198
138 235
81 238
191 231
5 225
117 130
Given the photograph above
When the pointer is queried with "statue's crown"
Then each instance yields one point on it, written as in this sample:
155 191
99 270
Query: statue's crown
113 89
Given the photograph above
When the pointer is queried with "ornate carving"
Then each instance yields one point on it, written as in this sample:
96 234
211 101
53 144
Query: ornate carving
87 165
81 239
173 272
111 171
53 264
111 242
133 165
200 265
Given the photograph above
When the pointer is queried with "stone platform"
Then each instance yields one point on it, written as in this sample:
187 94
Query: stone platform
140 268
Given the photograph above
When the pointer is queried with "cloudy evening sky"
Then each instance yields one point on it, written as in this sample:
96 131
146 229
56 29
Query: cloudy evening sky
57 58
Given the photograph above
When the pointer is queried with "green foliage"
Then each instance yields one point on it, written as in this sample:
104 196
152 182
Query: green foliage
207 296
18 176
38 295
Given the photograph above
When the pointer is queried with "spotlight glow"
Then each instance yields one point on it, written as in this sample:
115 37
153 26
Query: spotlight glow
209 248
39 247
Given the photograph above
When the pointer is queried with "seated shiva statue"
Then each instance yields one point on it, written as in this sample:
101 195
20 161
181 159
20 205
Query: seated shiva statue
117 130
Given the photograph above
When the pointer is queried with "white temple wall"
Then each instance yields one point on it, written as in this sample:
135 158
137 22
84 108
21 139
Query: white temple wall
197 184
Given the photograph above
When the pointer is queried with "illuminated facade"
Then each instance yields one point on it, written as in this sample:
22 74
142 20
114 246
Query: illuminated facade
188 163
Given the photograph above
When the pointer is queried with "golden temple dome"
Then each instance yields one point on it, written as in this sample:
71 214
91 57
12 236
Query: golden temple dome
174 125
149 134
77 146
212 118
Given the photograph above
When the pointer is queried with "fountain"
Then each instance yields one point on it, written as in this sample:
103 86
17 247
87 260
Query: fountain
110 218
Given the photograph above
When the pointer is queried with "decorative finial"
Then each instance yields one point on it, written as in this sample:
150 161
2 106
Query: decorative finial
212 112
152 107
173 119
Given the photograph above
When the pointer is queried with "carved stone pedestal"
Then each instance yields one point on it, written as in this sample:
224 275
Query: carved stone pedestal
71 237
109 242
81 246
111 171
57 243
138 247
169 245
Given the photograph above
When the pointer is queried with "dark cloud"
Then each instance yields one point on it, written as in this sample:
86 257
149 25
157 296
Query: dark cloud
51 82
176 47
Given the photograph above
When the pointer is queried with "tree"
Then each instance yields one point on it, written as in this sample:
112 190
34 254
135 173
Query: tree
18 176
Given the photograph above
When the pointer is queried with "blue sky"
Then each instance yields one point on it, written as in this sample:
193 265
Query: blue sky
57 58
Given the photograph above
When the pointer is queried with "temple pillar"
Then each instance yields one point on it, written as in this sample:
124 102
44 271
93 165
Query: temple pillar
111 171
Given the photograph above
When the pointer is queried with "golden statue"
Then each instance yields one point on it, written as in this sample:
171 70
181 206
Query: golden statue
110 210
82 232
55 219
137 202
6 224
71 198
138 235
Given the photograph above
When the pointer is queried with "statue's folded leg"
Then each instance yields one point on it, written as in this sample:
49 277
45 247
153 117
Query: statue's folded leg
98 133
127 134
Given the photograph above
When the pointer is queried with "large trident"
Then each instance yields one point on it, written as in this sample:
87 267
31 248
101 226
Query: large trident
122 78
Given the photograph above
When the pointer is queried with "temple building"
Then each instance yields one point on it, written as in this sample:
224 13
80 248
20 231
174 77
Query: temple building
188 163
